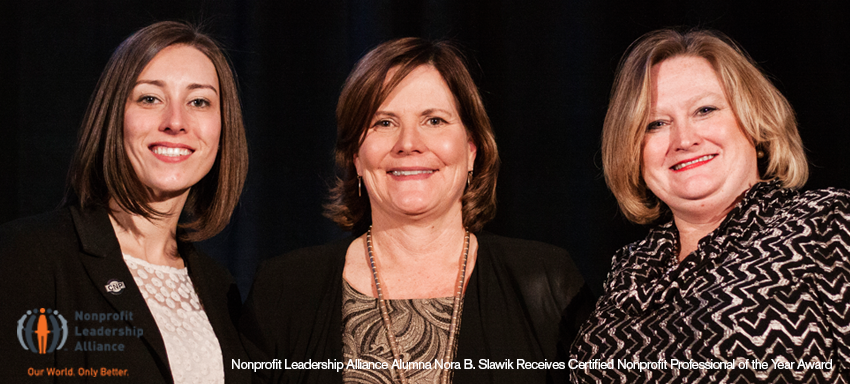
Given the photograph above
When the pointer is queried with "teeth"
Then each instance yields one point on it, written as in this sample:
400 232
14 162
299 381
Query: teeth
171 152
683 165
409 173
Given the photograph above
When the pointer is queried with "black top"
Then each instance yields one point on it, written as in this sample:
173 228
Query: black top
63 261
525 300
772 282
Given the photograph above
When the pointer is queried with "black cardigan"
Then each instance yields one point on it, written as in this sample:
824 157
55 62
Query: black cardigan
63 260
525 300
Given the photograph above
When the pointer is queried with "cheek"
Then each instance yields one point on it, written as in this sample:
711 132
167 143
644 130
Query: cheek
366 157
653 152
652 160
131 127
372 151
214 138
209 132
211 125
454 149
742 142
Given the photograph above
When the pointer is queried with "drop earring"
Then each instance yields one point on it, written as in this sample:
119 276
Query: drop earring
359 183
468 179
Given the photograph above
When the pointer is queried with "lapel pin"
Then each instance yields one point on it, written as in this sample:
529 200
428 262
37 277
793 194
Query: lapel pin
115 287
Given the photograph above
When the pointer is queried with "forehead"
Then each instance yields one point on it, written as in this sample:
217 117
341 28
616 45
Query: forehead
681 77
424 86
181 63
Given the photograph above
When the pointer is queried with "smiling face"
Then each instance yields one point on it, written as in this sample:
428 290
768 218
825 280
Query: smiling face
695 156
172 121
416 153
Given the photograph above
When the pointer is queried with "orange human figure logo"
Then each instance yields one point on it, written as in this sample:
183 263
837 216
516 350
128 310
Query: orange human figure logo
42 331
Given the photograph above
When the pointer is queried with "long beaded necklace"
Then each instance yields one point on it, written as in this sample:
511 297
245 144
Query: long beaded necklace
457 307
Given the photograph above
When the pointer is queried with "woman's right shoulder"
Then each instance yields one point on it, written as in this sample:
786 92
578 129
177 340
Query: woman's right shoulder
286 284
302 266
307 258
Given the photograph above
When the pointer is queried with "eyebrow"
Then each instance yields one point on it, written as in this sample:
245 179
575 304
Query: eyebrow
202 86
425 112
695 99
384 113
161 84
705 95
432 110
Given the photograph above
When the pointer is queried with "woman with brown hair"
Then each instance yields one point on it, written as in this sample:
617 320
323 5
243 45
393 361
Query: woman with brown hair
742 278
419 292
163 137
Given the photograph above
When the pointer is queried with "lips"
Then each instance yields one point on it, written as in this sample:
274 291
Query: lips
696 162
411 173
171 152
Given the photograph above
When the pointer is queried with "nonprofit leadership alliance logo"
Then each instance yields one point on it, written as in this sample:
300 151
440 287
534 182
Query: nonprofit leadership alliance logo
40 332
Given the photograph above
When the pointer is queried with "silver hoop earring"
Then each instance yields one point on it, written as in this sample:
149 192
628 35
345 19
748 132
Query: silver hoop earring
359 183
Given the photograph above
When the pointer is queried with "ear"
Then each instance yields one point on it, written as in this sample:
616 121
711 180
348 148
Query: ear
473 150
357 164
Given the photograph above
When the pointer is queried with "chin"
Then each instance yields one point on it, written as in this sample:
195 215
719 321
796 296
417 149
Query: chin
697 188
169 189
413 210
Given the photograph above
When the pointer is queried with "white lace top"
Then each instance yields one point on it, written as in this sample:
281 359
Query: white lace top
192 347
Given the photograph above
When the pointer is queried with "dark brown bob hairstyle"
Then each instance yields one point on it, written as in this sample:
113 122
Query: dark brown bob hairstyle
368 86
100 169
764 115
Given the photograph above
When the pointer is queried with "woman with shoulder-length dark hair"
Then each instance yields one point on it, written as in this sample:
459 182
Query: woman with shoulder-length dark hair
111 280
742 277
419 291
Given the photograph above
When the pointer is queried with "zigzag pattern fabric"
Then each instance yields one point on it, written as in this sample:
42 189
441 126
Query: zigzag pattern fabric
765 298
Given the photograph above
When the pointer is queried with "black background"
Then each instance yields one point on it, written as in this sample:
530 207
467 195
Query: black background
544 68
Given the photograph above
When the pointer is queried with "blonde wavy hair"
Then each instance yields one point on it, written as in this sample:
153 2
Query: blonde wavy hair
762 112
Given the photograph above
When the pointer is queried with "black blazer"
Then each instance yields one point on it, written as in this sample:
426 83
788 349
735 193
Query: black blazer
525 300
63 261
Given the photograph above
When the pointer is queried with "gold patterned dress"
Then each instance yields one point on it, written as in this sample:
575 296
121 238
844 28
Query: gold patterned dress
421 327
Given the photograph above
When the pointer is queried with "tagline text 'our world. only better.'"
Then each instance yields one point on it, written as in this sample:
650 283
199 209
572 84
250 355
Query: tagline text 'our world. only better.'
396 364
79 372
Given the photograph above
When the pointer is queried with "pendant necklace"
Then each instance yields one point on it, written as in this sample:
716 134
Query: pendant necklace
457 307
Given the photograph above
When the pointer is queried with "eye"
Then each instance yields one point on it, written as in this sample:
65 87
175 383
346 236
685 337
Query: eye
436 121
148 99
655 125
384 123
702 111
200 103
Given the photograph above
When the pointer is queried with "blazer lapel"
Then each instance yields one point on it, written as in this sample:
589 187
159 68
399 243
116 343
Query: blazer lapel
104 262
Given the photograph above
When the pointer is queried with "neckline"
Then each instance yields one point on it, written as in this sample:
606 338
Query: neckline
157 267
368 297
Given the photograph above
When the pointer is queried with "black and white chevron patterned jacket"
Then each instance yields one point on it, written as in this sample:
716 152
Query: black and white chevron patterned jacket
764 298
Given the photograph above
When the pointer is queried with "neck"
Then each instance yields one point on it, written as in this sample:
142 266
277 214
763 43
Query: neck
415 242
153 240
693 225
415 258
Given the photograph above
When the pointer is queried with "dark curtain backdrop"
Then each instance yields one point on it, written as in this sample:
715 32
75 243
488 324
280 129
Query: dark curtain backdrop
544 68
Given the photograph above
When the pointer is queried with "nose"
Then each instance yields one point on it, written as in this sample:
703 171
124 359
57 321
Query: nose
173 119
409 140
684 136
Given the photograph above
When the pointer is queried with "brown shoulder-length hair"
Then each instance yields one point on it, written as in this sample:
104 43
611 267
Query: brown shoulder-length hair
100 169
762 112
367 87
